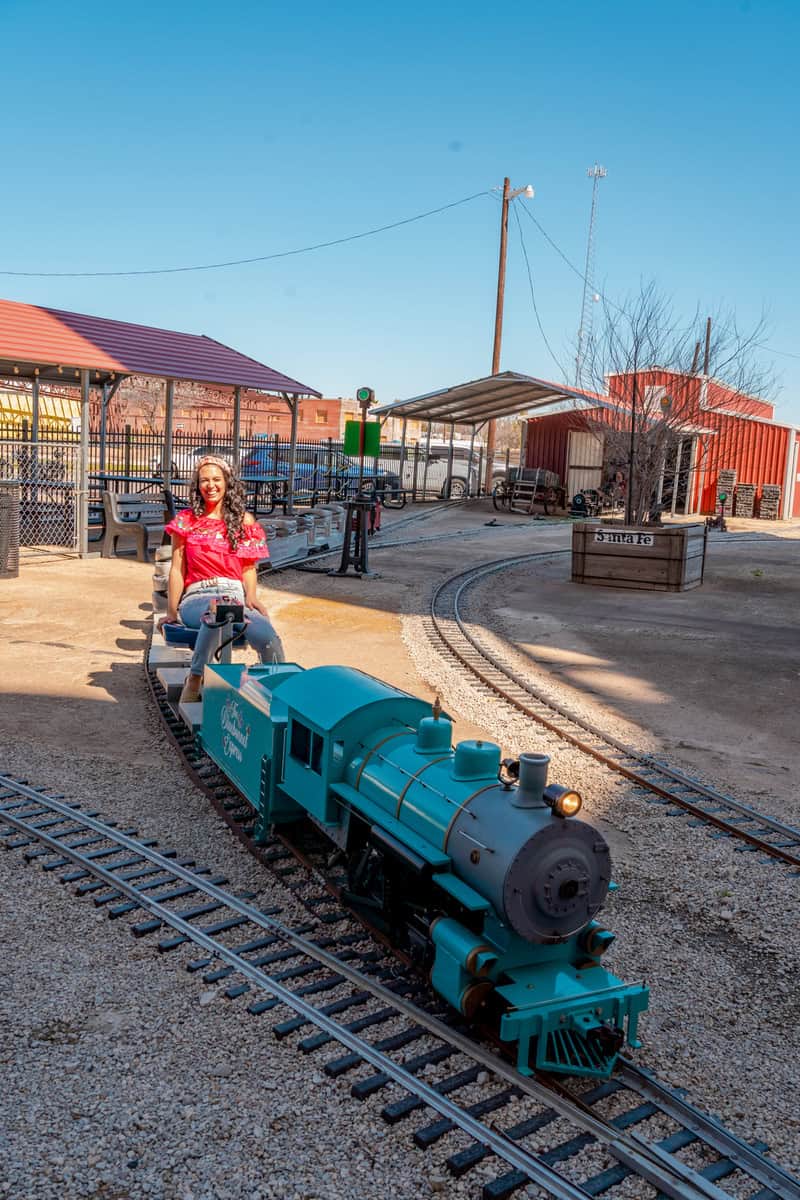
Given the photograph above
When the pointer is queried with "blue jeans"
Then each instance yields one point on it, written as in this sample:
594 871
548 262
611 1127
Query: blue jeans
258 632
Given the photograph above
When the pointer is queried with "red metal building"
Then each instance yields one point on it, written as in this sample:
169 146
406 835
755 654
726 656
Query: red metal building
717 429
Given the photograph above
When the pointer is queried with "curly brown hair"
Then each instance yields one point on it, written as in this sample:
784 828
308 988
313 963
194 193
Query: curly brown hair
233 502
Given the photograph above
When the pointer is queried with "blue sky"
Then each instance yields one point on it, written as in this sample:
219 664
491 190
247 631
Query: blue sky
164 135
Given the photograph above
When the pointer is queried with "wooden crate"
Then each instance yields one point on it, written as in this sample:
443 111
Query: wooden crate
656 558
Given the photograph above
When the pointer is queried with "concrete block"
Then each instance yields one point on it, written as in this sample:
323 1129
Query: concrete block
294 545
191 714
162 655
172 680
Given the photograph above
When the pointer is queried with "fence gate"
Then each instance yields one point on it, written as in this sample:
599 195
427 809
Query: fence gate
47 474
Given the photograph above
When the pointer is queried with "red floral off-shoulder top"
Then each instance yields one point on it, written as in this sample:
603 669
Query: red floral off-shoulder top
208 551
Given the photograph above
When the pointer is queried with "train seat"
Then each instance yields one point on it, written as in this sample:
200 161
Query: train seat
181 635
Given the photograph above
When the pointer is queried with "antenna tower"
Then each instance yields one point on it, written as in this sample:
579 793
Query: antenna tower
595 173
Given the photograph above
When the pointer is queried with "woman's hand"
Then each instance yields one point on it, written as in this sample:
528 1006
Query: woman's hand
169 619
250 581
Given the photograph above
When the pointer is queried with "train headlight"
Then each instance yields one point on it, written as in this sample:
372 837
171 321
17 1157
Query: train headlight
565 802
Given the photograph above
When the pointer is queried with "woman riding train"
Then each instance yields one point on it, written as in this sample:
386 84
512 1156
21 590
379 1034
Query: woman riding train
215 547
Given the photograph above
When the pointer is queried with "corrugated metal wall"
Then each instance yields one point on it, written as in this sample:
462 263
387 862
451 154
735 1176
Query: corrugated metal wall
547 442
756 450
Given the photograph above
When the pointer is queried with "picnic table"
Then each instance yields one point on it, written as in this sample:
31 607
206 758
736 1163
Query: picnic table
264 492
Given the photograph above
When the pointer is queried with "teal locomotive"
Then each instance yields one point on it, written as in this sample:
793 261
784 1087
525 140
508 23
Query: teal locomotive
478 869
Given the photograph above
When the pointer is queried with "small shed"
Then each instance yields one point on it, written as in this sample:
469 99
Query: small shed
722 437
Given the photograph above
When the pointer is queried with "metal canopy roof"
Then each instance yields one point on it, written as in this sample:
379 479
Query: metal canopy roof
484 400
55 346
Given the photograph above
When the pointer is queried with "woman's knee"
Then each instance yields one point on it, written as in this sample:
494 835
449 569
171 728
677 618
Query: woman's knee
263 638
273 651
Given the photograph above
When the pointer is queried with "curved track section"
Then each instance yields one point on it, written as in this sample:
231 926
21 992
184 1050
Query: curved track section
463 1083
449 633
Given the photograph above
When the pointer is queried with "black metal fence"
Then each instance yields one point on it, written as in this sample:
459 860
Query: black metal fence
322 469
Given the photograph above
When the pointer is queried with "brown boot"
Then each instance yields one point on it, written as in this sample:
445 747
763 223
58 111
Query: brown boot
191 689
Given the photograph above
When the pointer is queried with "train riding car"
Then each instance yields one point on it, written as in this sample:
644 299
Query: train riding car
478 869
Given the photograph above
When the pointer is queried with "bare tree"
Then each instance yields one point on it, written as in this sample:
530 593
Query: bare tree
656 375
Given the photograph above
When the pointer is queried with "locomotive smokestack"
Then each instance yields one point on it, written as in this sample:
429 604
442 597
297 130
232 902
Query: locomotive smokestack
532 781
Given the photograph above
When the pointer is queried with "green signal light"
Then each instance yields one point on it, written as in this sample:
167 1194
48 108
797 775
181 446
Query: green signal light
365 395
723 496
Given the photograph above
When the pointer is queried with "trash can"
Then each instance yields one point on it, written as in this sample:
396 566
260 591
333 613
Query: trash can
9 529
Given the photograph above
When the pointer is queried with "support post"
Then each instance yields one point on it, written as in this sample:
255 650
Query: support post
83 470
402 451
631 457
469 467
701 481
427 457
237 426
523 447
676 476
498 325
292 404
660 487
166 462
103 428
790 480
35 443
687 504
450 459
35 410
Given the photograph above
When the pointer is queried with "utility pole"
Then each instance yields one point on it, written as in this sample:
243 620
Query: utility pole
508 195
595 173
631 451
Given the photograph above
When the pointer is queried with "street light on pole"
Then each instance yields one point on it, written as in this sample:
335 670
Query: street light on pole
508 195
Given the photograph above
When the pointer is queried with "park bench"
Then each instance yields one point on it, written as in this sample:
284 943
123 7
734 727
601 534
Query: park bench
132 515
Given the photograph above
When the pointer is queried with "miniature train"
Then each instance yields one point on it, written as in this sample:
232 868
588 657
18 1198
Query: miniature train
476 868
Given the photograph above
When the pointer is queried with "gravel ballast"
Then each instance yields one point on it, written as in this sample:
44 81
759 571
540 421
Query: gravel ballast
112 1055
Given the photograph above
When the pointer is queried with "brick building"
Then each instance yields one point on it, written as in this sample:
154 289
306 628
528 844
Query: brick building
139 402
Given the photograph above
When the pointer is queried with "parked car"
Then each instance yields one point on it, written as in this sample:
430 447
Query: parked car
320 469
184 461
463 478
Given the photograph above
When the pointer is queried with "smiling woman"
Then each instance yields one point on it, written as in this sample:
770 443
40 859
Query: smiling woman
215 547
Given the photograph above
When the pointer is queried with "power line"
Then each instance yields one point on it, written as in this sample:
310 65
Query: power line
608 300
557 249
240 262
533 294
772 350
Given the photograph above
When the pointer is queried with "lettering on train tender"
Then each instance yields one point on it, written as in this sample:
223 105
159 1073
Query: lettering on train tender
237 734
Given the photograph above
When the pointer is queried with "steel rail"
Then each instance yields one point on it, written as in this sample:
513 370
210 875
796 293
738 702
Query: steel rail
673 1177
710 1130
650 764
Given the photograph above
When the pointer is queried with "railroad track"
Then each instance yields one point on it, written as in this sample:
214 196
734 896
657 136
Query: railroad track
338 996
449 633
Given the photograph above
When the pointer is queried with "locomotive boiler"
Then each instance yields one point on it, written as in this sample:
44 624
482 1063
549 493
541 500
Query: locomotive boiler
479 870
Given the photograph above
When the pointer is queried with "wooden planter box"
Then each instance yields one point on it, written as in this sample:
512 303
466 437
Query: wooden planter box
667 559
